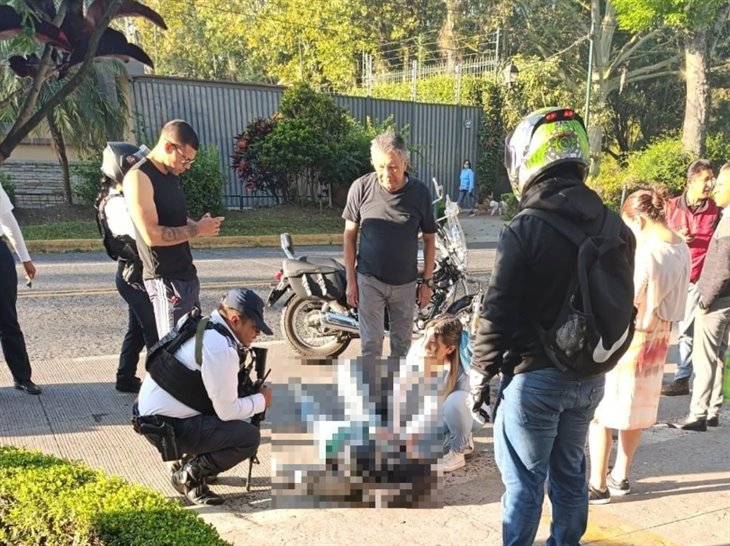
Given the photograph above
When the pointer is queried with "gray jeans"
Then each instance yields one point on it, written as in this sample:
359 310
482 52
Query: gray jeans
375 296
708 358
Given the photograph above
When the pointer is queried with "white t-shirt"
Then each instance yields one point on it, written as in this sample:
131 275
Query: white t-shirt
220 377
10 227
117 215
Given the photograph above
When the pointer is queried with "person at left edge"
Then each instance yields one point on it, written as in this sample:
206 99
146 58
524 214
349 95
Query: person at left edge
157 205
11 336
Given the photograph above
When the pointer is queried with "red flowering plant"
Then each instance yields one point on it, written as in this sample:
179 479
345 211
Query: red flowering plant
251 166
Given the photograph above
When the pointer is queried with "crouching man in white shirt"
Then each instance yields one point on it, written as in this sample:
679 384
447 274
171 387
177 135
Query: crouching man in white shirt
192 391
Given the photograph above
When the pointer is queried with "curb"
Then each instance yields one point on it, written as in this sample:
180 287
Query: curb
234 241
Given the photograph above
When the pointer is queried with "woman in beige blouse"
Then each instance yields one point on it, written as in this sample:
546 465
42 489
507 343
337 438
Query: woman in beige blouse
633 388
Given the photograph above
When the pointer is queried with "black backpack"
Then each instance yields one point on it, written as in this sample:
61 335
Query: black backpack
595 325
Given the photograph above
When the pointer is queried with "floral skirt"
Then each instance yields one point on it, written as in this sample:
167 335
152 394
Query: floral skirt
633 387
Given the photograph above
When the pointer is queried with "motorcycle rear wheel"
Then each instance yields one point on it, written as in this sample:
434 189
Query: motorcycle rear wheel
301 327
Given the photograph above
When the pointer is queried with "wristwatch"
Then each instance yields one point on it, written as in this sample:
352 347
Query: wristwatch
428 282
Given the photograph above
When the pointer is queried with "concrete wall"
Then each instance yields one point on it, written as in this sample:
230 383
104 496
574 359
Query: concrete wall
37 183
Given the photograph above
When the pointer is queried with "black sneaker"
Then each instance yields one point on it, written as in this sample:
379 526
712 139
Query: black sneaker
713 421
618 488
598 497
28 387
131 385
691 423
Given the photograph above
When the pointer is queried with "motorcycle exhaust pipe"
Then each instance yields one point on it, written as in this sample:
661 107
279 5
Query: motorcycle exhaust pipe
338 321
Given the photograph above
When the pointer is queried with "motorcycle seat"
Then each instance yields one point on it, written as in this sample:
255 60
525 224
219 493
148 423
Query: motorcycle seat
297 268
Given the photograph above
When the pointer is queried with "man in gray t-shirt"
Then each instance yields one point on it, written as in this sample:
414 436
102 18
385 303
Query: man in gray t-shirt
389 209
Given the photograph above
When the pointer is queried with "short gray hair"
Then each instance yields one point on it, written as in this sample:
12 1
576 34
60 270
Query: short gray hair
390 142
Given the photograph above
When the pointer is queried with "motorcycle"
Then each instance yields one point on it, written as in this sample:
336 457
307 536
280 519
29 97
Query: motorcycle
318 322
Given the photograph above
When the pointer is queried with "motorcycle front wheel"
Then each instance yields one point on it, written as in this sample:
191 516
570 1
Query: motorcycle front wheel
302 328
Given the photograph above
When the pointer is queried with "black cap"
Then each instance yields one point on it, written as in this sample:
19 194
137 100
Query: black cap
250 304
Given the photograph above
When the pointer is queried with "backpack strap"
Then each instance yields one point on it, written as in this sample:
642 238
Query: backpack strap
203 325
566 228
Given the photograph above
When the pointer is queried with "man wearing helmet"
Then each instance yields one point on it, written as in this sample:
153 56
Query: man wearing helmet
119 236
543 413
157 205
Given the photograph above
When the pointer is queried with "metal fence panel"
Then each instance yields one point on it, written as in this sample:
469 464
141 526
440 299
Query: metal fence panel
442 135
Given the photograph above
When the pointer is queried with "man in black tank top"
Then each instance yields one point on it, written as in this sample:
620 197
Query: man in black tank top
158 209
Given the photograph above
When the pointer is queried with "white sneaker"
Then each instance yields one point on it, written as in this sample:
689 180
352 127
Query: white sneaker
453 461
470 447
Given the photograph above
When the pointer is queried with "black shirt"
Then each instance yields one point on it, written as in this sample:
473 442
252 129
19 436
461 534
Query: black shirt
167 262
389 225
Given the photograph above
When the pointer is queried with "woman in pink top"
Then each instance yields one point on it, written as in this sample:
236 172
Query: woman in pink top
632 392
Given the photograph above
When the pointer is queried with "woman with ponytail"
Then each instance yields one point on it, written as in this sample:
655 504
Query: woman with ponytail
446 346
633 388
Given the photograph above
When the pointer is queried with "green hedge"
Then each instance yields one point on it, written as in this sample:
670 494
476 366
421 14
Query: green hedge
50 501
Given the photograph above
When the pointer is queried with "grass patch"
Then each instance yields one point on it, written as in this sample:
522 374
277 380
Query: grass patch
262 221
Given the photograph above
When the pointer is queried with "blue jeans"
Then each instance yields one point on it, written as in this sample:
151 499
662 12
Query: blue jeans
685 329
540 433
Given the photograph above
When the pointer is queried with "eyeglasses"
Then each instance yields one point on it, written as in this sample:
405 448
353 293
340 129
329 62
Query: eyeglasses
186 160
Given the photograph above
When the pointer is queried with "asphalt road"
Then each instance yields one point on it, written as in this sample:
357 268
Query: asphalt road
73 309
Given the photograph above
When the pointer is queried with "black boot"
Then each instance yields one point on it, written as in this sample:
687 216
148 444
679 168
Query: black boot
191 481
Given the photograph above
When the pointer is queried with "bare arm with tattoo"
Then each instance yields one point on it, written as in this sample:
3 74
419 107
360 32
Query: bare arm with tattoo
139 195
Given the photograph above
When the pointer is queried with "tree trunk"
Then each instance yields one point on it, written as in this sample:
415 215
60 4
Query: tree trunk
60 148
447 37
697 105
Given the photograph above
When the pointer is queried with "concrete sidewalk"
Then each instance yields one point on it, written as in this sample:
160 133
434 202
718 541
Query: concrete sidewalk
680 486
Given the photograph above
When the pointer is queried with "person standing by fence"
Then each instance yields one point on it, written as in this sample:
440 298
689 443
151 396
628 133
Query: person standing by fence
466 186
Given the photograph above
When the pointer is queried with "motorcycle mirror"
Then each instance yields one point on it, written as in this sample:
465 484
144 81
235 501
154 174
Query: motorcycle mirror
439 189
286 243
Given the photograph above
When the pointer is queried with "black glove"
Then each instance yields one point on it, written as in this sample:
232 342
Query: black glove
479 396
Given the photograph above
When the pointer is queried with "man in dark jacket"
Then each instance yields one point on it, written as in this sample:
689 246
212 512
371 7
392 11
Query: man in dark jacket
712 319
543 413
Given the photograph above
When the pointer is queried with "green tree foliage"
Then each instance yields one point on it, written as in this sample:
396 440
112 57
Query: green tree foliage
701 23
304 41
206 39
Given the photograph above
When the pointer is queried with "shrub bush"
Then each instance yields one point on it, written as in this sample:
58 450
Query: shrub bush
662 163
203 184
50 501
609 184
8 186
86 181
